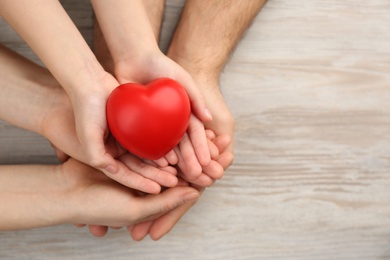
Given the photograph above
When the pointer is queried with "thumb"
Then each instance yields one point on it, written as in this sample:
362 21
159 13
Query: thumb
96 153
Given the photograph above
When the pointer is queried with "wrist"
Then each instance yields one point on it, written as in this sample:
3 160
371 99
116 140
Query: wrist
32 196
58 104
70 202
86 76
62 207
136 65
196 67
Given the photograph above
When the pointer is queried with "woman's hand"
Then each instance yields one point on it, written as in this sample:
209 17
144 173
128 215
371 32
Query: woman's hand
59 128
95 199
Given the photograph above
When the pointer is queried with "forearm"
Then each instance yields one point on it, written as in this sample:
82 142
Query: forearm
208 32
31 196
49 31
155 11
126 28
26 91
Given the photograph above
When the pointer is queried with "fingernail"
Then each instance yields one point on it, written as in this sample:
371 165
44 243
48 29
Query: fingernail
191 196
208 114
111 169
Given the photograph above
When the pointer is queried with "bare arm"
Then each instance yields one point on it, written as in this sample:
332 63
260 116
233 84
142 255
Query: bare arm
26 91
207 34
32 99
43 195
209 30
30 196
49 31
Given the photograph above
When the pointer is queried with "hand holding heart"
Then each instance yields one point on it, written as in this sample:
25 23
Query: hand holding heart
144 67
149 121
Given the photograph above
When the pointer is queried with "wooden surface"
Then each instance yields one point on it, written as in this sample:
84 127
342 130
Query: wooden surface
309 86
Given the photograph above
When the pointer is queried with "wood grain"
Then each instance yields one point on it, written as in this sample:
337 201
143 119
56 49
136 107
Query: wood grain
309 87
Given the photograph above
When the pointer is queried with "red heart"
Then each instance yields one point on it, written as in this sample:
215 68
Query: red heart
150 120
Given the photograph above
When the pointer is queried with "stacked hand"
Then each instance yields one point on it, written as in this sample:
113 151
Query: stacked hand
73 119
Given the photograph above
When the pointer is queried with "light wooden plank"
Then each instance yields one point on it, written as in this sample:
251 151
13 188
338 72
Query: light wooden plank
309 86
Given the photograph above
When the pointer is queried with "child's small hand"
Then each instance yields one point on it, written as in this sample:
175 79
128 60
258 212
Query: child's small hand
151 64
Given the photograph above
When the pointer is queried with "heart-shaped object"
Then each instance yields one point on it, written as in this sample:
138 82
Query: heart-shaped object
149 120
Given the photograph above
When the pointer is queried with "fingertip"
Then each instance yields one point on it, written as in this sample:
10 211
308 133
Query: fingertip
171 181
215 170
204 158
162 162
98 231
172 157
210 134
152 188
203 180
222 142
140 231
201 111
226 159
169 169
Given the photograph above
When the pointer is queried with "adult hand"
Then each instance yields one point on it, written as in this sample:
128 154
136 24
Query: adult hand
161 226
95 199
149 65
59 128
136 57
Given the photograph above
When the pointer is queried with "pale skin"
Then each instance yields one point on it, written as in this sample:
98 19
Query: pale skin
71 192
54 120
68 57
163 224
205 37
34 196
136 58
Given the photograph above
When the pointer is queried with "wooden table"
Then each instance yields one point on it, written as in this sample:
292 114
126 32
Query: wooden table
309 86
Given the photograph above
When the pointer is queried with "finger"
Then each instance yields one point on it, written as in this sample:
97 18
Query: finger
152 173
98 231
161 226
197 134
226 155
115 228
198 101
96 153
140 230
214 170
210 134
134 180
152 206
188 161
172 158
222 142
214 152
79 225
225 159
203 180
169 169
162 162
